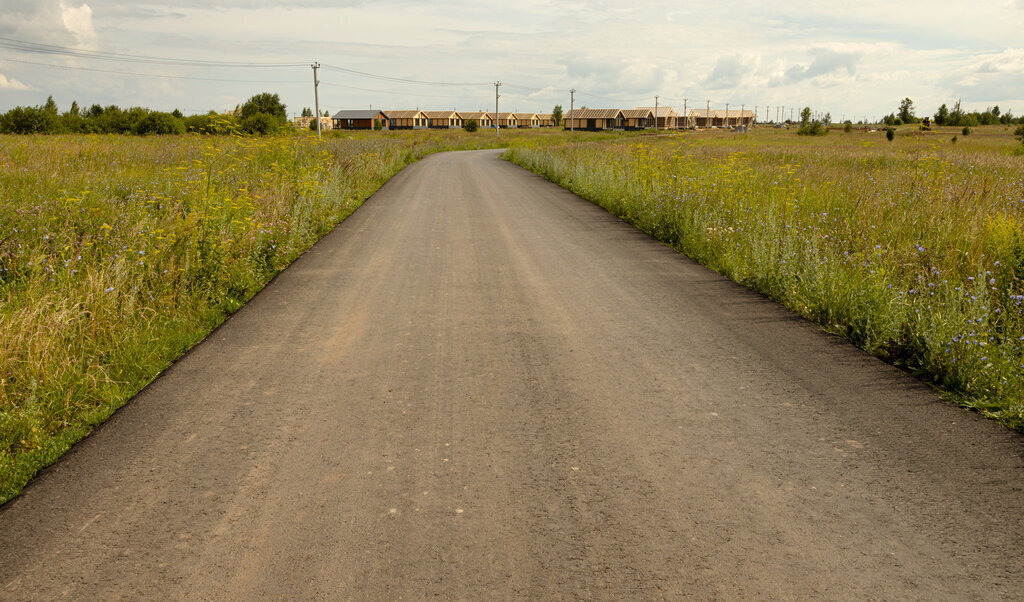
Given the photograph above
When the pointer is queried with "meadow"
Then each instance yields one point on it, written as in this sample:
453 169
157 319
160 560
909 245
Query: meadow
118 253
912 249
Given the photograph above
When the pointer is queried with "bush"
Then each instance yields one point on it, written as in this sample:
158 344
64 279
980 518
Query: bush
954 140
814 128
29 120
848 127
470 125
266 103
1019 132
966 131
260 124
159 123
890 133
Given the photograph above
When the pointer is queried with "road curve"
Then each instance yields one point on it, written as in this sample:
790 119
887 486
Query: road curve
481 386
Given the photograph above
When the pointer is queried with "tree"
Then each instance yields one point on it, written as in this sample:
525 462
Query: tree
956 116
470 125
50 106
942 115
805 116
260 123
159 123
906 112
890 134
556 115
266 104
307 112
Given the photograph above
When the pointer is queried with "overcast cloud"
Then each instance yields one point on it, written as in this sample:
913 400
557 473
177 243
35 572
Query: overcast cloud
851 59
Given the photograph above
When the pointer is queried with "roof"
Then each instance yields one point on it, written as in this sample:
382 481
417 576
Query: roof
507 116
475 115
545 116
402 114
593 114
526 115
662 111
440 114
716 113
637 113
356 114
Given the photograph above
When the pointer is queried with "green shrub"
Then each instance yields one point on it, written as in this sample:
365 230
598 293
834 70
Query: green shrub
814 128
260 124
966 131
848 127
470 125
890 133
159 123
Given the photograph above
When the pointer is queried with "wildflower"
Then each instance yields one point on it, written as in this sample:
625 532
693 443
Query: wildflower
109 290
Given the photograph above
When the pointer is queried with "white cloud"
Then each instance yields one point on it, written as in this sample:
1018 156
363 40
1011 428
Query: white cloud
78 21
11 84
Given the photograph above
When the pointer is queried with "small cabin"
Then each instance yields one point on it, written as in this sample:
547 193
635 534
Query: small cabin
359 120
407 120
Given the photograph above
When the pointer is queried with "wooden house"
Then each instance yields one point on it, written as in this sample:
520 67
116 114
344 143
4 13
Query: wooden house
715 118
365 119
638 119
668 118
545 120
407 120
483 119
443 119
507 120
527 120
594 119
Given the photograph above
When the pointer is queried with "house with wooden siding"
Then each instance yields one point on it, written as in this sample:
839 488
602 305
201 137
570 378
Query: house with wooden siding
507 120
545 120
443 119
407 120
483 119
715 118
638 119
527 120
594 119
365 119
668 118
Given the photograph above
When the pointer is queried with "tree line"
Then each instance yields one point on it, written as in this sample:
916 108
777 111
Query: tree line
262 114
955 116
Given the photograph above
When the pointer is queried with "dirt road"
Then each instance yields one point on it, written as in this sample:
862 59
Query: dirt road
480 386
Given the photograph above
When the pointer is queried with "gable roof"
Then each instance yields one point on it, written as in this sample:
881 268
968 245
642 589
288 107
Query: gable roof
638 113
475 115
403 114
594 114
440 114
663 111
719 113
356 114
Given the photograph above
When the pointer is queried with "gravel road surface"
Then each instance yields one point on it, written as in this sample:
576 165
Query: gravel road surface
480 386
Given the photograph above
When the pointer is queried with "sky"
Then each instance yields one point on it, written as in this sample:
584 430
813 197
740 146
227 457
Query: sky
854 60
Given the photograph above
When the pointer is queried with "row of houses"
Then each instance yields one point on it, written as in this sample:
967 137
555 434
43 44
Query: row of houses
665 118
662 118
422 120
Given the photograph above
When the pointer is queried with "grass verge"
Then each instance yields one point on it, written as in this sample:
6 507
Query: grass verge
117 254
911 249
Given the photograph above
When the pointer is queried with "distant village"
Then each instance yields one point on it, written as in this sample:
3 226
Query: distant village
639 118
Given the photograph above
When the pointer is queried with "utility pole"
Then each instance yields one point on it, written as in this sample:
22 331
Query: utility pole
316 96
686 116
572 111
752 121
726 114
655 111
741 113
496 120
707 116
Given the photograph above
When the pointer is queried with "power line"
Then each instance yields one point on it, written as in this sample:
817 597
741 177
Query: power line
402 79
34 48
163 75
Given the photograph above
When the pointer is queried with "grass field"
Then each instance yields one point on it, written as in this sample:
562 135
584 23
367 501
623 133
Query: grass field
912 249
118 253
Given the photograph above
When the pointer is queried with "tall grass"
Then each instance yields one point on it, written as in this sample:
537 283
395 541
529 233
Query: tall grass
913 250
119 253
